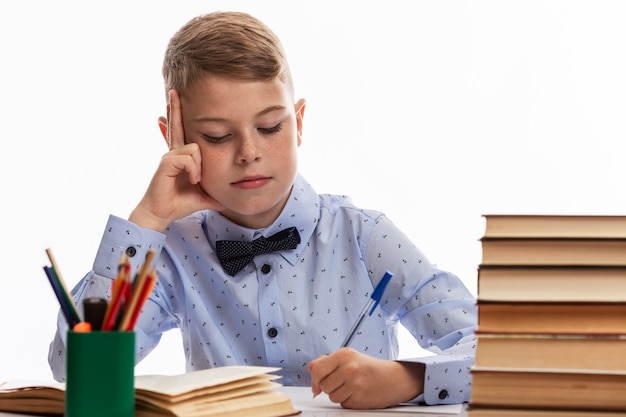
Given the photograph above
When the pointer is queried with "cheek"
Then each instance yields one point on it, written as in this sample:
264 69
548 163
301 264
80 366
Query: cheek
213 162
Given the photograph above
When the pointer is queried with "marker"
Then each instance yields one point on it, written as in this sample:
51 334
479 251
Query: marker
371 306
94 309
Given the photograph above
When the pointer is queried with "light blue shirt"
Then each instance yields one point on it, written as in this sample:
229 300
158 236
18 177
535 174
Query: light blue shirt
287 308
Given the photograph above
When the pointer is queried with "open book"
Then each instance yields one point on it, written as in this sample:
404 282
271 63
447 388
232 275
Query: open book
229 391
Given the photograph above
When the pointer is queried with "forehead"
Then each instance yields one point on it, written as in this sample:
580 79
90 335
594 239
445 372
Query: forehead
219 96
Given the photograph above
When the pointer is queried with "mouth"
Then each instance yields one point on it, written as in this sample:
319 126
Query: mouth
252 182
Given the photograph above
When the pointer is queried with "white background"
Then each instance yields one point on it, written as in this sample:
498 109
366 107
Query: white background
433 112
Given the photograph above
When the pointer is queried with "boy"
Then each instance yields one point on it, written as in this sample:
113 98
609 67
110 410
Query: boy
233 131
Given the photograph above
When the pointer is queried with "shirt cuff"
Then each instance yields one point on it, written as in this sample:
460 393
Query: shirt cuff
123 237
447 379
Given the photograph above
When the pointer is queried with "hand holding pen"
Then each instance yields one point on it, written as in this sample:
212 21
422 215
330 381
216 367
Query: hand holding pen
338 371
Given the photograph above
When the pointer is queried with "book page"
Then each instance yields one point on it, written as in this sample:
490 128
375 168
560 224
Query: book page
18 384
173 385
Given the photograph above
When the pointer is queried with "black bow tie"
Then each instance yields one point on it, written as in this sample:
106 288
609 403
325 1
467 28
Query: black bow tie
235 255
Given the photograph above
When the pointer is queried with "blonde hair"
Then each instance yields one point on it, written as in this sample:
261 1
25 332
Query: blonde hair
232 44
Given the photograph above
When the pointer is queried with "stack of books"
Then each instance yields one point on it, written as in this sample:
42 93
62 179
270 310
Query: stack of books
551 336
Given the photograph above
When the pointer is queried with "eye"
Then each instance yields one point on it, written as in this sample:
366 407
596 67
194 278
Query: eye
269 130
215 139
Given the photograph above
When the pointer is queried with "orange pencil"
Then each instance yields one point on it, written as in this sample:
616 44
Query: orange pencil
115 286
121 284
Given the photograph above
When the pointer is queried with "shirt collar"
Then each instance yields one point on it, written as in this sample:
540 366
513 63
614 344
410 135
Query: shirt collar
302 211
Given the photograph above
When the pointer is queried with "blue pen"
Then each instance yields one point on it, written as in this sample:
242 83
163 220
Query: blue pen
371 306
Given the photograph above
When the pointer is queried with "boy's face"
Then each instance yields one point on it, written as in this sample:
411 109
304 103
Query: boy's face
248 133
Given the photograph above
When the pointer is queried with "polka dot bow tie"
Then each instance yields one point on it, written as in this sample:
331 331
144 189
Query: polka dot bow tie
235 255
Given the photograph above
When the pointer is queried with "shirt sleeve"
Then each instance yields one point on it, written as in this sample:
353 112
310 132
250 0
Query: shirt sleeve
434 305
120 236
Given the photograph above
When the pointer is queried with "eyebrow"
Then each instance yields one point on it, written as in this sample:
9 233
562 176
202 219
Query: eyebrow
259 114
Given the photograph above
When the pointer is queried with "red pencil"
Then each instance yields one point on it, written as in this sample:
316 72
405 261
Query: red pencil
121 286
146 290
138 285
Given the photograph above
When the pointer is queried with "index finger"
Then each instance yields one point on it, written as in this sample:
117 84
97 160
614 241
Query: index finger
175 131
320 368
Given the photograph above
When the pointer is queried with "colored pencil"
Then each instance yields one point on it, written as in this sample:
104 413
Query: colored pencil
148 286
58 291
69 301
138 284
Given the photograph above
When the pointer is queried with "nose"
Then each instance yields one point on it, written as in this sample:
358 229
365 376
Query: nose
248 150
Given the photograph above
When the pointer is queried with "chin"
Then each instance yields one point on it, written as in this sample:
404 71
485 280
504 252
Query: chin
255 215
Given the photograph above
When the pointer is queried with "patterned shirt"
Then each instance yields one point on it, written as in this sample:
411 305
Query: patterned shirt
287 308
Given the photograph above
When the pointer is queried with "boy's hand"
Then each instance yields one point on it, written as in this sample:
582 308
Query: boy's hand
360 381
174 191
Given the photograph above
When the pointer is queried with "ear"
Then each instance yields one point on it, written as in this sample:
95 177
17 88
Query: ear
299 107
163 129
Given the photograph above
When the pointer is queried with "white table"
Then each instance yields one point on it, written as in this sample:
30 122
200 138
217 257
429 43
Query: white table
321 406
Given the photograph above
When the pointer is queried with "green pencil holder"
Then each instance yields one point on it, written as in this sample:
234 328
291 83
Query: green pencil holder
100 374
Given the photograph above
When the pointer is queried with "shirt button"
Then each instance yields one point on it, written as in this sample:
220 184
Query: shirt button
272 332
266 269
131 251
443 394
